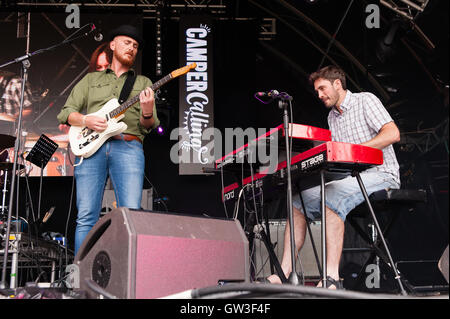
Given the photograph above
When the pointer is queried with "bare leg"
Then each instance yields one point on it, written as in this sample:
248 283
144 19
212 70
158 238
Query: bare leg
334 237
335 240
299 235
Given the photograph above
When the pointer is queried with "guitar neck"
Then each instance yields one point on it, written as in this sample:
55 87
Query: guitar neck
124 106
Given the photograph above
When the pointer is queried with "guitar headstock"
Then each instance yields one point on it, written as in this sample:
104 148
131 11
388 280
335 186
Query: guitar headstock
183 70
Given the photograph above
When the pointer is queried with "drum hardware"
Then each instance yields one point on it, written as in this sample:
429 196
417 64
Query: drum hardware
6 168
60 163
4 191
40 155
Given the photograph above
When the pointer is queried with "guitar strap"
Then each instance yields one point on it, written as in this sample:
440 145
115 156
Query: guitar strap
126 89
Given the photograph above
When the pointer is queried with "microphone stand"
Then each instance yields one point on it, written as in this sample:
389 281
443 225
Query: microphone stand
25 66
283 102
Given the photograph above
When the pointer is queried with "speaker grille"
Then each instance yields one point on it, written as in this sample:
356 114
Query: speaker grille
101 269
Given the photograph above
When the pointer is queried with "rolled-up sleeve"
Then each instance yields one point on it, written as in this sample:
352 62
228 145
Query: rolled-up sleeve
76 101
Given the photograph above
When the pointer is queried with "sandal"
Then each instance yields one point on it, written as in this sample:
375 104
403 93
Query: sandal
265 280
333 282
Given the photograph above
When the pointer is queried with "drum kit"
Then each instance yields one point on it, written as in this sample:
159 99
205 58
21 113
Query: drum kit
59 165
60 162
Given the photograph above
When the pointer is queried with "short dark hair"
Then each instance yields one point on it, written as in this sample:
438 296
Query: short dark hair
330 73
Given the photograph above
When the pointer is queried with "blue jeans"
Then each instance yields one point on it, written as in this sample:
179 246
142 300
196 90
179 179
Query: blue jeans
124 162
343 195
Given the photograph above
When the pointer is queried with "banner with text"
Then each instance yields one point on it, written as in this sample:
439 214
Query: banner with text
196 109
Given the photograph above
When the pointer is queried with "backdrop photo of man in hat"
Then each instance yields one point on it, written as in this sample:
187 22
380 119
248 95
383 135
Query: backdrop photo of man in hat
121 157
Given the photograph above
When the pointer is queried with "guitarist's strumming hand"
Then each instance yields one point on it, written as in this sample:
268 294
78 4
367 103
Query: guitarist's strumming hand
147 99
95 123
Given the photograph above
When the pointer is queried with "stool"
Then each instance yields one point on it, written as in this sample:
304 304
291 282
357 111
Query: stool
386 200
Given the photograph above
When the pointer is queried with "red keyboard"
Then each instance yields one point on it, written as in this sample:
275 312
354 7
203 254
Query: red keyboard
300 134
338 156
332 156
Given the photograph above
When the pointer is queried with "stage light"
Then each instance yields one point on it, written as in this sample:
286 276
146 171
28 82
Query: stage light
159 10
386 46
163 110
160 130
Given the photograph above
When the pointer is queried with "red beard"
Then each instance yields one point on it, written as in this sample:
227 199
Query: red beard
125 59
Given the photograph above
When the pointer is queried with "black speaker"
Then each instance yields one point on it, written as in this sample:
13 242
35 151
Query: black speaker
144 254
443 264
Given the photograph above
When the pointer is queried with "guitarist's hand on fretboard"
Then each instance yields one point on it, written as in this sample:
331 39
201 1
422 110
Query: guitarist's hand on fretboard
147 99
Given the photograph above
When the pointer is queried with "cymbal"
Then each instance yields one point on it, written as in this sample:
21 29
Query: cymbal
6 141
9 166
7 118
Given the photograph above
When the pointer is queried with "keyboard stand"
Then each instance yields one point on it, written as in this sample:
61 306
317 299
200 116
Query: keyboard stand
355 173
380 232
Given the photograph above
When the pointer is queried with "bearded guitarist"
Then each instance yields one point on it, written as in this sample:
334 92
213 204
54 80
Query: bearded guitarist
121 157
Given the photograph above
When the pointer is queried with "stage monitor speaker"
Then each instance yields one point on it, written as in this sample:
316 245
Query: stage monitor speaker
134 254
443 264
306 263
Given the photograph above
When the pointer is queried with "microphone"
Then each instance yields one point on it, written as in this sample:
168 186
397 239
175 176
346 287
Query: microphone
97 35
271 93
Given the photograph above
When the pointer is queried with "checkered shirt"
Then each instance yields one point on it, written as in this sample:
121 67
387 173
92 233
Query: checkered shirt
362 118
10 99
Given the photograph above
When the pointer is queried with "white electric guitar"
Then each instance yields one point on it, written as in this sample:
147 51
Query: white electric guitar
85 142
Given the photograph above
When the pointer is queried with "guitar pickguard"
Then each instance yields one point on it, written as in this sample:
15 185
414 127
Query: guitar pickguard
85 132
88 139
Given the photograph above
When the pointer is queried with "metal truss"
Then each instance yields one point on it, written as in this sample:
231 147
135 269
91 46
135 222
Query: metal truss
268 29
425 140
409 9
219 8
291 22
148 8
332 51
142 4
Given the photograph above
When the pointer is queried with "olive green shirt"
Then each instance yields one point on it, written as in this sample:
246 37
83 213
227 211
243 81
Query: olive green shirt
95 89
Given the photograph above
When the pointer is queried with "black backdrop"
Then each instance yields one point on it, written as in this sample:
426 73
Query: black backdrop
243 66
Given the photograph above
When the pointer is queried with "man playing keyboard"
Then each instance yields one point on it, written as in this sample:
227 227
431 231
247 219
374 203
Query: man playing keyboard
357 118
